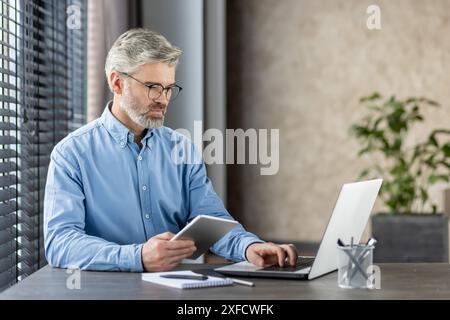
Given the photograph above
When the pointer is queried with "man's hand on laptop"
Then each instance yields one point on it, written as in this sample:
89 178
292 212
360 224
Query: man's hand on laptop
160 254
268 254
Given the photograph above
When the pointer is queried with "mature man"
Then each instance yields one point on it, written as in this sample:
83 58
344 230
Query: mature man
114 197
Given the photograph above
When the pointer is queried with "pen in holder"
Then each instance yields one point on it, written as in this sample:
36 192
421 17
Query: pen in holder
353 264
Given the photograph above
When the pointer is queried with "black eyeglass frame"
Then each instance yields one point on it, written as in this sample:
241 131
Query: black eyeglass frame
154 85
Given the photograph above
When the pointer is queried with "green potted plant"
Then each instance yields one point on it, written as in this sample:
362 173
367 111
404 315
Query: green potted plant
412 230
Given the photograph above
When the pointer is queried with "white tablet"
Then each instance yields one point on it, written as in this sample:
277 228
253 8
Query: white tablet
205 231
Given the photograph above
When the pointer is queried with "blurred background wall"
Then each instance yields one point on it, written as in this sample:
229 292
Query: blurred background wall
301 66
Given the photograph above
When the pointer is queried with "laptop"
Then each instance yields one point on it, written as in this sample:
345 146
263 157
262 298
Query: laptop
349 218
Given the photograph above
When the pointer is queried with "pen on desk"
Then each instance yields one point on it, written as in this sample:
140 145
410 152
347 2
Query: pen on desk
216 274
245 283
182 276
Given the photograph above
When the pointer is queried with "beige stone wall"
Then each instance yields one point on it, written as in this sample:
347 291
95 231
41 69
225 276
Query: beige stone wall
301 66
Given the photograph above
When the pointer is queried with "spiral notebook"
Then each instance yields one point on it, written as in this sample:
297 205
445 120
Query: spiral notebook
154 277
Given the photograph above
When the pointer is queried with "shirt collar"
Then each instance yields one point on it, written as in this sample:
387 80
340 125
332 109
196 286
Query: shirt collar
121 134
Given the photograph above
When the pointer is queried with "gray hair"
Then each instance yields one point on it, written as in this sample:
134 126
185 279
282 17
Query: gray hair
137 47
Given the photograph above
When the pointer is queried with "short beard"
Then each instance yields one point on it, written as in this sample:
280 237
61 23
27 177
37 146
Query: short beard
129 105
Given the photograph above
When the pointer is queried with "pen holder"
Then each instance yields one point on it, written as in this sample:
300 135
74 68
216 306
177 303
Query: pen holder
354 264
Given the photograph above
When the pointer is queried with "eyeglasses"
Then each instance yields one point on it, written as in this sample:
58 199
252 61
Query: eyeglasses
155 90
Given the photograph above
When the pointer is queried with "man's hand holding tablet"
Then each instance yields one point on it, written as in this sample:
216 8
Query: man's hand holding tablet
163 252
160 254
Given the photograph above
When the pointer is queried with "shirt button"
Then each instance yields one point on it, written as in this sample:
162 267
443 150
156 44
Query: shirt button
147 216
144 188
122 144
140 158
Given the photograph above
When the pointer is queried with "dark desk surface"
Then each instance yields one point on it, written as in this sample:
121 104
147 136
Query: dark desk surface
398 281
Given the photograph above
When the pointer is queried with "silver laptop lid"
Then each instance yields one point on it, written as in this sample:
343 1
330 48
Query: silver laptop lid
349 218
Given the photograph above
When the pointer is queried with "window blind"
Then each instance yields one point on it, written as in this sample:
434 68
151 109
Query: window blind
42 98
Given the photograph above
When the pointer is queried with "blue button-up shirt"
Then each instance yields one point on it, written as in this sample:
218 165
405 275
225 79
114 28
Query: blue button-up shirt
105 197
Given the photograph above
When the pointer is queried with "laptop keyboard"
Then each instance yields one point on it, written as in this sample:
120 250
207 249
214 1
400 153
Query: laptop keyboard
301 263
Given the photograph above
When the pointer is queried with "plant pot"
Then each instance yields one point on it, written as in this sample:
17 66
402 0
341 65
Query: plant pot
410 238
